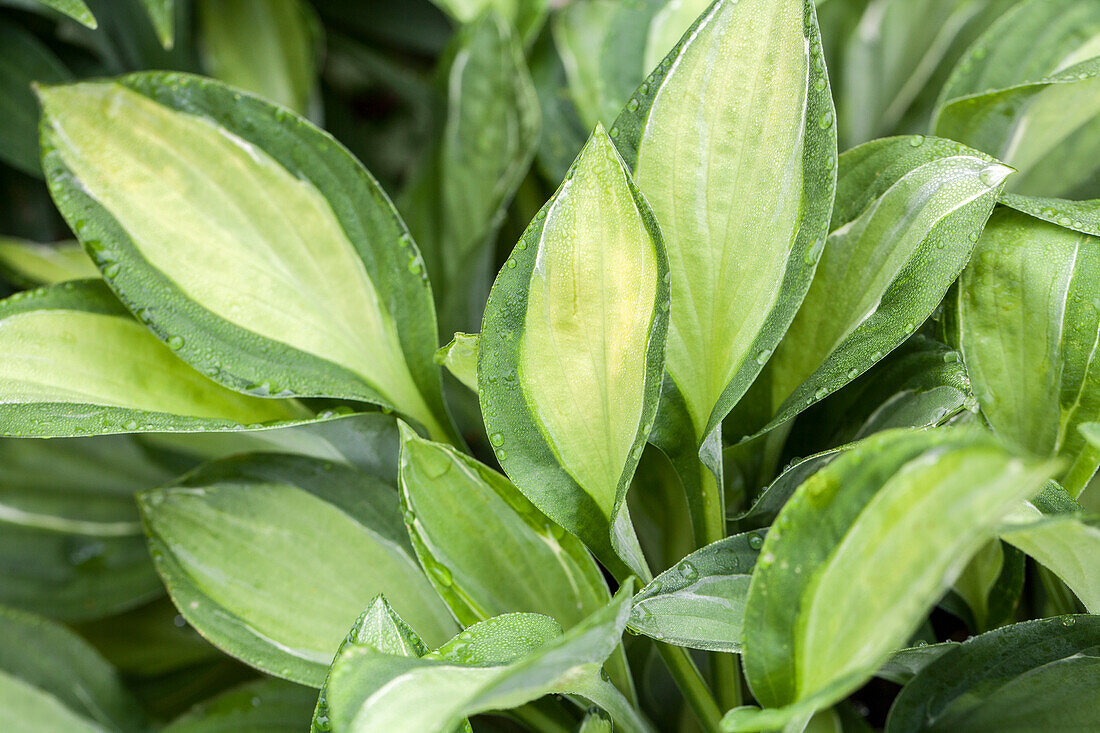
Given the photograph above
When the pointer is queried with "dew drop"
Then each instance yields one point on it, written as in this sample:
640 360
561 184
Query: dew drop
175 343
111 271
632 105
853 372
916 141
613 132
497 439
821 393
763 356
688 571
501 454
756 542
511 263
826 120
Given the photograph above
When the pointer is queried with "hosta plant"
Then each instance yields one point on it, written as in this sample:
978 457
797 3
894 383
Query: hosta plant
637 407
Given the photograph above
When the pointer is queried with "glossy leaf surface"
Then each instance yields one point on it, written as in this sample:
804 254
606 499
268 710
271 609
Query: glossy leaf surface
267 705
1028 328
30 264
242 544
325 294
1028 676
858 556
460 358
76 363
572 349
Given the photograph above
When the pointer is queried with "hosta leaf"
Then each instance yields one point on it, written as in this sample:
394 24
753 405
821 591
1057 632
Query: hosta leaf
700 602
71 544
29 263
596 721
268 47
904 664
25 707
245 544
246 238
667 28
487 138
460 358
161 12
1034 675
743 187
24 60
455 506
58 662
571 350
908 213
76 363
602 45
526 15
75 9
1082 216
860 553
367 441
1029 322
895 55
267 705
1068 544
497 664
563 133
1033 101
921 383
988 588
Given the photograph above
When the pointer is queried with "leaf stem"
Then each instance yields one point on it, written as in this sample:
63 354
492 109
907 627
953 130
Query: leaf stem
691 684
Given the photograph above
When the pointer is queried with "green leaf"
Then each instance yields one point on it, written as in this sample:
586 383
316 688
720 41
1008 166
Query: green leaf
24 707
161 175
59 663
1029 323
71 544
858 556
24 60
602 44
75 9
668 27
596 721
700 602
487 138
455 507
737 244
241 543
920 384
563 133
1036 675
263 705
1068 544
268 47
908 213
460 358
496 664
29 263
76 363
1032 100
571 351
904 664
161 12
1082 216
897 54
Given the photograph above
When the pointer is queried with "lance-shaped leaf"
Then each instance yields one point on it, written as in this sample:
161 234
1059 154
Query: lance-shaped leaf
1051 529
494 665
162 15
742 186
71 544
59 663
24 60
668 27
246 238
1028 327
460 358
700 602
245 544
29 264
898 57
904 664
1032 101
488 135
76 363
455 506
1035 675
860 553
572 348
1082 216
75 9
267 705
908 213
268 47
921 383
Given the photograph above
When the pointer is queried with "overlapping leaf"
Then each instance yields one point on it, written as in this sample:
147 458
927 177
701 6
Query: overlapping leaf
572 350
29 264
267 705
1029 323
24 60
859 554
244 544
247 239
